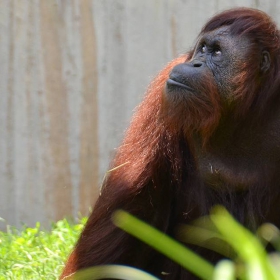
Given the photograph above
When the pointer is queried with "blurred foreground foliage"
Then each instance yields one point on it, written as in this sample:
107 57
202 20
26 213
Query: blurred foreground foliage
32 253
249 261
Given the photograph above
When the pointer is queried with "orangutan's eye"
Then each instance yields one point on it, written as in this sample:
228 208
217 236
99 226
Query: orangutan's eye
217 52
203 49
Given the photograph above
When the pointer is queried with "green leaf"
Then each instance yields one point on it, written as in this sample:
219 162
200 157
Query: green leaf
224 270
164 244
111 271
245 244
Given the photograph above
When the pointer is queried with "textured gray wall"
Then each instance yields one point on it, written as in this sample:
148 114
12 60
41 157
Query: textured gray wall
71 73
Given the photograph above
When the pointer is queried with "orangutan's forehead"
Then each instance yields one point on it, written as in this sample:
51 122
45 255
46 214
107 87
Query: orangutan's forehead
219 32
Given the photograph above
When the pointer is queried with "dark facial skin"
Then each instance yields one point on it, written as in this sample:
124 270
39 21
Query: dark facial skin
229 159
219 52
223 54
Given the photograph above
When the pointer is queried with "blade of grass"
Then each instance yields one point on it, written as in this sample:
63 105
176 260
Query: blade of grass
164 244
112 272
224 270
246 245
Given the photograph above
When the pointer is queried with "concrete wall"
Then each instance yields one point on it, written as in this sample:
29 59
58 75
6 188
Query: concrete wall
71 73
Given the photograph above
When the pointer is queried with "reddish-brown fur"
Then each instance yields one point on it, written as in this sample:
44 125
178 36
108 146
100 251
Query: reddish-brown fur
142 152
155 178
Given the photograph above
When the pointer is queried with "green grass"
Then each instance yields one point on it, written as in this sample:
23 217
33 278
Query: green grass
33 253
250 261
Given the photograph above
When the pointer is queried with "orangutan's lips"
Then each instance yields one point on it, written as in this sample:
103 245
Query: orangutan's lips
172 83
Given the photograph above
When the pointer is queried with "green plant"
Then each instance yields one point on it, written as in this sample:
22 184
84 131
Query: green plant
32 253
251 261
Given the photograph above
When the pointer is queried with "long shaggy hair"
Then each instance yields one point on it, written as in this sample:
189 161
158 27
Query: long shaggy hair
154 173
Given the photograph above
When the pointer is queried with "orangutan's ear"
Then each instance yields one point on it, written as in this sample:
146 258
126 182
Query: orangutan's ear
265 61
